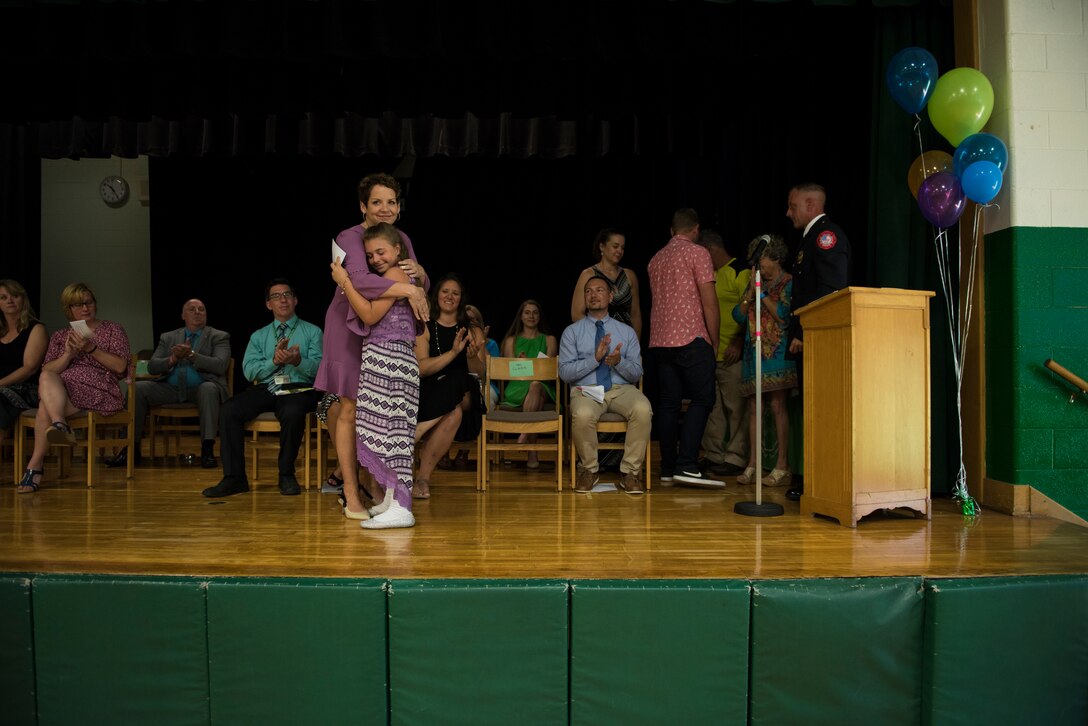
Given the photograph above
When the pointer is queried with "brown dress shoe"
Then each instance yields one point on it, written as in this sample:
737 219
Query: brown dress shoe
585 482
632 483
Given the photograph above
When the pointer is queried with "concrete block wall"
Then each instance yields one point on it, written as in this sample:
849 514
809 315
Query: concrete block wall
1036 249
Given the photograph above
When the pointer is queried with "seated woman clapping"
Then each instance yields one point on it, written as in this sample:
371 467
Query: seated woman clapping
528 337
82 372
448 350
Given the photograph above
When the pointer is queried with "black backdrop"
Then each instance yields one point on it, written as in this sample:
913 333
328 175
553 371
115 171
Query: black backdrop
518 129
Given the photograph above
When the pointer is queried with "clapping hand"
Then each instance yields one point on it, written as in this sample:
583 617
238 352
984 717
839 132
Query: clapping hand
613 358
286 356
181 351
460 340
602 348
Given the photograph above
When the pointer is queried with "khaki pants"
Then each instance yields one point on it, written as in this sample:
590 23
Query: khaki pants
625 400
727 418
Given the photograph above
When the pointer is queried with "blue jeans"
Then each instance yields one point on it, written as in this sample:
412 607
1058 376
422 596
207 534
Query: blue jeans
684 372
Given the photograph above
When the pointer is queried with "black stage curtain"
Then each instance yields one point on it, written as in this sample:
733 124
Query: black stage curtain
517 129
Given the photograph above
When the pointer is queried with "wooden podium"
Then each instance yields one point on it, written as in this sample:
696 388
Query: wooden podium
866 405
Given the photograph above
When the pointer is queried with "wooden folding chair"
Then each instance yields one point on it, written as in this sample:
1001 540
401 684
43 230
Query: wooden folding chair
505 421
175 418
95 426
265 436
609 423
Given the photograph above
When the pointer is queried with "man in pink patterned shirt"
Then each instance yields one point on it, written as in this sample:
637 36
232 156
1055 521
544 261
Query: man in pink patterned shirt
684 326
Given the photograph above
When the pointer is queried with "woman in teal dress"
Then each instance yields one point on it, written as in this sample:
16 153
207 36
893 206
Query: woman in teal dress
778 374
528 337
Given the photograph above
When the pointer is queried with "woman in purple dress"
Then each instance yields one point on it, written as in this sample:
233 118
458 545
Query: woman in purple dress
338 374
81 373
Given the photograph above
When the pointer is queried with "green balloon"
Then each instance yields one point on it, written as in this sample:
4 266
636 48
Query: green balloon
961 104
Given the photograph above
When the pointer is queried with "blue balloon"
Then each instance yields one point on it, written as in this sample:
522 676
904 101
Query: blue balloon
981 181
980 147
911 75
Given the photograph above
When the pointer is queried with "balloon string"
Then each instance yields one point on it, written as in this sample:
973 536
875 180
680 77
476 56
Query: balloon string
958 338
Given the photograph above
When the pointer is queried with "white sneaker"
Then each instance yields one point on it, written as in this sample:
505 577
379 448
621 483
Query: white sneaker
393 518
696 478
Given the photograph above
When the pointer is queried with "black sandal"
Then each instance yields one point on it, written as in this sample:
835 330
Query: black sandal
28 481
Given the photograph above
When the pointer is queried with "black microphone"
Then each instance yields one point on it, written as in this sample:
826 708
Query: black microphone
763 241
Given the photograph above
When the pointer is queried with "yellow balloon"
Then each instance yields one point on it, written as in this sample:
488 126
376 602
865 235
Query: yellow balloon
961 104
927 164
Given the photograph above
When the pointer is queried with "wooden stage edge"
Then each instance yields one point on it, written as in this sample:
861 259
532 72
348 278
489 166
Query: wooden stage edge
159 524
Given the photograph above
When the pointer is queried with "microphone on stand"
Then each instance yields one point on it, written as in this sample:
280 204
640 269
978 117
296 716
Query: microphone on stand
758 252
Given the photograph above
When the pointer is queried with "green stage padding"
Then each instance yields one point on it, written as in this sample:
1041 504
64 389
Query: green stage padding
16 652
656 652
842 651
297 651
1007 651
478 652
120 650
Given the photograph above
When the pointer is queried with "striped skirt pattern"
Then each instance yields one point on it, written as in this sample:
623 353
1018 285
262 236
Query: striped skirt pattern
386 408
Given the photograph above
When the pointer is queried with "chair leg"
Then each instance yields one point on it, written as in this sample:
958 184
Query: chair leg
91 449
559 460
306 449
256 459
646 466
151 432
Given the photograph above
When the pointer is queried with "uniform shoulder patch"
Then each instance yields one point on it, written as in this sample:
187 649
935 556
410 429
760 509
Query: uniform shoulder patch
826 240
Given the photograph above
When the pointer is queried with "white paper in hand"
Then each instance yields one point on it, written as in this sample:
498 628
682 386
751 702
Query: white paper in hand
80 326
338 251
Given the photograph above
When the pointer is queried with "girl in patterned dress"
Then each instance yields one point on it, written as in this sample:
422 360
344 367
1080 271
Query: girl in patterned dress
387 403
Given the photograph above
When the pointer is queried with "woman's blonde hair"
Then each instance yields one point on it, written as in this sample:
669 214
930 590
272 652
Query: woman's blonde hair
26 314
74 294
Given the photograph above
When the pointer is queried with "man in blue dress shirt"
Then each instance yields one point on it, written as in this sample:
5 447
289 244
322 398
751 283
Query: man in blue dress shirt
281 356
599 351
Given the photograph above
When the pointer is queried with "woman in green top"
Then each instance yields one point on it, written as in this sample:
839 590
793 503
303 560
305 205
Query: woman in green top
528 337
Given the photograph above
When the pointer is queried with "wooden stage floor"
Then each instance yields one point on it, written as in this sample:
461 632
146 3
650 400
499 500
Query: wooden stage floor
159 524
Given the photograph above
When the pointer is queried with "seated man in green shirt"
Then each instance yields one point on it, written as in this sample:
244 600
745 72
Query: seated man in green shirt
280 358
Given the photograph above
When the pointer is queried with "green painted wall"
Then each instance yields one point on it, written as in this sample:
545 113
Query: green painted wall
1037 308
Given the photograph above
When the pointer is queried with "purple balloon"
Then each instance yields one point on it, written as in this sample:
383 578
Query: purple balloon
981 181
941 199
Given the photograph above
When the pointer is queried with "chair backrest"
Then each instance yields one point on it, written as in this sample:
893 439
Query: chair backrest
504 370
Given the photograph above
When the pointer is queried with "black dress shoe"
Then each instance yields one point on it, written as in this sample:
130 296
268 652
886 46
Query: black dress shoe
121 459
722 469
794 493
289 485
207 461
227 485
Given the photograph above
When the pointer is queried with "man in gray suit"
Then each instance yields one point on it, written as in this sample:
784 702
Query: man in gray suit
192 364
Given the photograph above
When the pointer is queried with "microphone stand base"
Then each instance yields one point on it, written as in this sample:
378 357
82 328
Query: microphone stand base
766 509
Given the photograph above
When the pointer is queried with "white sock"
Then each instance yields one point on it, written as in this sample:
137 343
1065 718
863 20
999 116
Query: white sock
383 504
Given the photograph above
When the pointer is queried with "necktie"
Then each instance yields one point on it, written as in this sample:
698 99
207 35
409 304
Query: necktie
183 372
604 376
281 333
